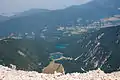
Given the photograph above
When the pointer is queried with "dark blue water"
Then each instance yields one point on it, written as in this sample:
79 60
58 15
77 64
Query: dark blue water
56 55
61 46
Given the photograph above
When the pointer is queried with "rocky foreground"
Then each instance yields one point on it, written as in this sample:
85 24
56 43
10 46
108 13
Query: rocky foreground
11 74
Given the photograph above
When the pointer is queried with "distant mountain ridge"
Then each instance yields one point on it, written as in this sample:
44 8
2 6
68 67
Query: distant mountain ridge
87 13
30 12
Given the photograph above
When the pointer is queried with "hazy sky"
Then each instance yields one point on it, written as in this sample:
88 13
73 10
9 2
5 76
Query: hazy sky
9 6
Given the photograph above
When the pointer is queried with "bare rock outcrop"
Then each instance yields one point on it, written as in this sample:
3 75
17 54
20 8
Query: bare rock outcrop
12 74
53 67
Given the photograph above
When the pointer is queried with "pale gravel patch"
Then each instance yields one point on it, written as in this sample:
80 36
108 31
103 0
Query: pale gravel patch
11 74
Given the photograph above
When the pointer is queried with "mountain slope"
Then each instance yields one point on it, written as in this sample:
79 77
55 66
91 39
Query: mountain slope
25 54
83 52
3 18
89 12
99 49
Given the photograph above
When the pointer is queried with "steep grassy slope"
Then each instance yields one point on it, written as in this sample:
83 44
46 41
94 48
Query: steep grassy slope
25 54
99 49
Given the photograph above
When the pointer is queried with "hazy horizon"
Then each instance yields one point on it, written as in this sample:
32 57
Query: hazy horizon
9 7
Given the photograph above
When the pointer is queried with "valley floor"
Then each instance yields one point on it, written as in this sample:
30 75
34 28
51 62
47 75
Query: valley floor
11 74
